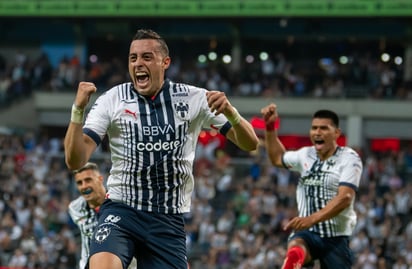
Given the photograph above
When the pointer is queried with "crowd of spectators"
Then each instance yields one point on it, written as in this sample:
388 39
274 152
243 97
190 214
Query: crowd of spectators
362 75
239 206
239 202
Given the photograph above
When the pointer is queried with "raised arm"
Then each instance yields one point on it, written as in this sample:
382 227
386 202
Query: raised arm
78 147
242 133
274 146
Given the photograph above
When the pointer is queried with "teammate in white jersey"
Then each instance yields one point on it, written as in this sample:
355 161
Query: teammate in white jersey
84 209
152 126
329 179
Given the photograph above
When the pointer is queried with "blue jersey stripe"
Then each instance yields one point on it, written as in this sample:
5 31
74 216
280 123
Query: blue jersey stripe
165 198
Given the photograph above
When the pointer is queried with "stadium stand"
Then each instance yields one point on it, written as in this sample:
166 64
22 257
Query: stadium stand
240 202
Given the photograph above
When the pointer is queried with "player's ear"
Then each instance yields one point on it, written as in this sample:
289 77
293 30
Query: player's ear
338 132
166 62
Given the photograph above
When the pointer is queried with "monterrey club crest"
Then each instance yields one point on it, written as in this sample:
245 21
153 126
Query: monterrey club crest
181 109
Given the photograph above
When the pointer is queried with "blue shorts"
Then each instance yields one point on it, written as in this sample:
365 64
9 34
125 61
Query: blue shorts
332 252
158 241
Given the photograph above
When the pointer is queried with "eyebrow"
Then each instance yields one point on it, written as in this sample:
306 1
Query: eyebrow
142 54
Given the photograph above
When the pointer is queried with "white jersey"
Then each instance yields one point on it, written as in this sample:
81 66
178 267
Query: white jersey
152 143
319 182
86 219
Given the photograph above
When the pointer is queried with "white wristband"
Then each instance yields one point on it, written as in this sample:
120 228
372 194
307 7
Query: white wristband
77 114
235 118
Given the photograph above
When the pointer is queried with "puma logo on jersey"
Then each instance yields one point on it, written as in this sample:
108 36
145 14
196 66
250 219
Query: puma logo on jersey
127 111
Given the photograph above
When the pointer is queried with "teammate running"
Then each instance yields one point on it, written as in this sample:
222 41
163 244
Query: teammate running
329 179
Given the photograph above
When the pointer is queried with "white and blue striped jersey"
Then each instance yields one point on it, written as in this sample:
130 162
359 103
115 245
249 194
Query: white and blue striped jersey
319 182
152 143
86 219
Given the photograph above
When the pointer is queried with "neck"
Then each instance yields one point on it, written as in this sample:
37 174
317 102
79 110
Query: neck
328 154
94 204
97 202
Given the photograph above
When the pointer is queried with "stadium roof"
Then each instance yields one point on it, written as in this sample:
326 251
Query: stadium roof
206 8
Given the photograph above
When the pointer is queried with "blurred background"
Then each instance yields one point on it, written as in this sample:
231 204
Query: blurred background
352 56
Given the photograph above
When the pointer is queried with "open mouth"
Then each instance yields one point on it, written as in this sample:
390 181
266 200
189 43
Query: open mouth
319 141
142 77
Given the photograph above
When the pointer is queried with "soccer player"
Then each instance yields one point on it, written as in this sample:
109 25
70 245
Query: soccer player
84 209
329 179
152 124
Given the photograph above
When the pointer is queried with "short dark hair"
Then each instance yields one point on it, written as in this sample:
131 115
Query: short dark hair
327 114
150 34
87 166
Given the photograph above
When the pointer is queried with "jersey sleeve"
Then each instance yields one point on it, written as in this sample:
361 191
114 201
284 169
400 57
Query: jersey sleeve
212 121
98 119
74 209
352 170
292 160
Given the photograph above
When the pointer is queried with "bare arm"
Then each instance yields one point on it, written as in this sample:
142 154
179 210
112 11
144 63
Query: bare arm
78 147
340 202
242 133
274 146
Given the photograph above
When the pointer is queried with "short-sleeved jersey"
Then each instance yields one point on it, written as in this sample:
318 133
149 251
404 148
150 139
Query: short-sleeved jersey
86 219
152 143
319 182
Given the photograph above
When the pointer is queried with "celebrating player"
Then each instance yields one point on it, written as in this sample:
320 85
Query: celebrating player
152 124
329 179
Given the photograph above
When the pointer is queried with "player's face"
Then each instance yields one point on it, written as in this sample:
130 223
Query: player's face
147 65
90 185
324 135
